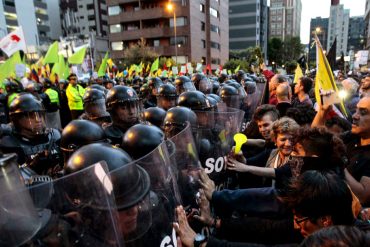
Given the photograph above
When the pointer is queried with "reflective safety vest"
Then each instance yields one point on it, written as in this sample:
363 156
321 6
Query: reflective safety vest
11 98
53 95
75 97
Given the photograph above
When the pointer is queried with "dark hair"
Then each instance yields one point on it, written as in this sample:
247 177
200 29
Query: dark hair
315 194
342 236
341 122
302 114
322 143
262 110
281 79
306 82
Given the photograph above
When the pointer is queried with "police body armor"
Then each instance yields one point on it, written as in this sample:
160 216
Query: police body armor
42 155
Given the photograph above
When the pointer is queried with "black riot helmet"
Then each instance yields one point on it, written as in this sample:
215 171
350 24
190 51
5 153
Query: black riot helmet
167 96
239 75
215 87
202 83
93 95
184 84
176 119
223 77
230 96
154 83
141 139
97 87
47 83
28 115
250 86
131 185
120 94
144 91
94 105
155 116
79 133
13 87
195 100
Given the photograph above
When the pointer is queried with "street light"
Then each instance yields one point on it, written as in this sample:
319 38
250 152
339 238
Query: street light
171 8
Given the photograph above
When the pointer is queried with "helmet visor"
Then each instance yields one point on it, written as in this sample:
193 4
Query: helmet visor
96 109
30 124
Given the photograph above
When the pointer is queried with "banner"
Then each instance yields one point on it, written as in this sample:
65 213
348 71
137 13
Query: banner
13 42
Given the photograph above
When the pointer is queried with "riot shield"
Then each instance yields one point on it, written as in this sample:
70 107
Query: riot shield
186 160
152 212
80 210
19 221
214 140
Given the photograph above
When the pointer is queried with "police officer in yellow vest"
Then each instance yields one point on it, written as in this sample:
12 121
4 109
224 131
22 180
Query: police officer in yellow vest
75 95
52 116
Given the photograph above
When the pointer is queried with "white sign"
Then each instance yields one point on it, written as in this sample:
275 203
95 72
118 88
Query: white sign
175 71
20 70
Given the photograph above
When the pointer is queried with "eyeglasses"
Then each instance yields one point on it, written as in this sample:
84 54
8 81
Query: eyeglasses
73 78
300 220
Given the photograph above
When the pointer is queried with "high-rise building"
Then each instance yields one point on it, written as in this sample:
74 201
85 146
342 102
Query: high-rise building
248 23
338 27
35 17
367 25
319 26
202 28
356 33
285 18
84 17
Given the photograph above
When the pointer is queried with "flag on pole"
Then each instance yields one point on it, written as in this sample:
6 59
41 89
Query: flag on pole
324 76
13 42
52 54
154 66
78 56
298 73
103 66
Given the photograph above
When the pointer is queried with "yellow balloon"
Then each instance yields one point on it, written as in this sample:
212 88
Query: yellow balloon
239 139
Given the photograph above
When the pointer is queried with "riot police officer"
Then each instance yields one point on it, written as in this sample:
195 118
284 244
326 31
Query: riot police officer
230 96
155 116
167 96
79 133
95 108
184 84
36 146
176 119
153 84
124 106
202 83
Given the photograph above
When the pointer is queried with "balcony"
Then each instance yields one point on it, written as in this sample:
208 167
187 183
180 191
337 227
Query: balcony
160 50
145 14
116 2
148 33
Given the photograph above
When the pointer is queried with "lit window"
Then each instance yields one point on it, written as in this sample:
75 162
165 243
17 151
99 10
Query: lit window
117 46
213 12
115 28
114 10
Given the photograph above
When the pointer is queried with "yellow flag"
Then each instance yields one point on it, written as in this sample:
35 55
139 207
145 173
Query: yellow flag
298 73
324 76
110 63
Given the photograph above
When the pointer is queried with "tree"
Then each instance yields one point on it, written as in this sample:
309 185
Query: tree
137 53
251 55
232 64
293 48
275 50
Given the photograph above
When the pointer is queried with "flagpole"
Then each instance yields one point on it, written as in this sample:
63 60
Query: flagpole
91 57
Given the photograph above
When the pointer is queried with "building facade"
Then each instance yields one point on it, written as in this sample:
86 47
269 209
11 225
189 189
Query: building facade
35 18
285 18
202 29
319 26
248 24
356 34
338 27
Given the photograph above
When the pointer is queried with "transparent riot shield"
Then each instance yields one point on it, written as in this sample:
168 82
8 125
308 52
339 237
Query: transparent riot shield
146 196
77 210
186 160
19 221
214 140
